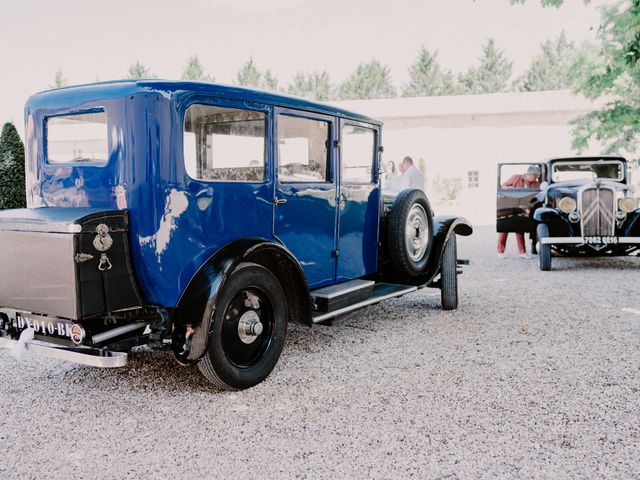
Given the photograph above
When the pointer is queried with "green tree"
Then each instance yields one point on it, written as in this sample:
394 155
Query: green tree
249 75
193 71
612 72
551 69
427 78
492 75
138 71
314 85
12 183
370 80
58 80
269 81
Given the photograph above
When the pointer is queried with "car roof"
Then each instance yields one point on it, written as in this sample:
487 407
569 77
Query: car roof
586 158
116 88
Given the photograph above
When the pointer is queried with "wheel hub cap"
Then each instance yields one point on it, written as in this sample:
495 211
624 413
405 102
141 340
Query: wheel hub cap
416 232
249 327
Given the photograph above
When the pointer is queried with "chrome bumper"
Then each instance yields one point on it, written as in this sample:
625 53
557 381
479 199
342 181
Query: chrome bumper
94 357
580 240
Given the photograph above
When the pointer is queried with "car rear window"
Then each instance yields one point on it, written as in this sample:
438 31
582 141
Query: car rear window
77 138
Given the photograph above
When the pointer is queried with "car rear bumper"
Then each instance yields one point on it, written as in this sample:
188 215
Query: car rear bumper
95 357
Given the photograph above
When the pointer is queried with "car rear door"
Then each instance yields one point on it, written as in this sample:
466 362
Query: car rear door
306 192
515 205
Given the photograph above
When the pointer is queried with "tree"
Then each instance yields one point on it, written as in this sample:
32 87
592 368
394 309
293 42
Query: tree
314 85
612 72
427 78
269 81
370 80
193 71
492 75
248 75
12 183
138 70
58 80
551 69
447 188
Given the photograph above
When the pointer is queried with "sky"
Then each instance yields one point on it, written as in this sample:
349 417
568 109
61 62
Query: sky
98 40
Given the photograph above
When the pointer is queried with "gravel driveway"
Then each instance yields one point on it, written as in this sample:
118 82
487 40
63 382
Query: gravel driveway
536 374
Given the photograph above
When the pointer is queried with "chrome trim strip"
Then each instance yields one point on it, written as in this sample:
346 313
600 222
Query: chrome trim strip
335 290
364 303
580 240
114 359
101 337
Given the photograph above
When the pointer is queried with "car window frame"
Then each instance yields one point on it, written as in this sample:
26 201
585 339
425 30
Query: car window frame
69 113
376 154
214 101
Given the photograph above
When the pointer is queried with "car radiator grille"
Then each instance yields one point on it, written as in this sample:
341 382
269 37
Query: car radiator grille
598 211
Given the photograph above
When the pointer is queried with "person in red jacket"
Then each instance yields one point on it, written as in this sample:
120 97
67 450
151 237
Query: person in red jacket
531 179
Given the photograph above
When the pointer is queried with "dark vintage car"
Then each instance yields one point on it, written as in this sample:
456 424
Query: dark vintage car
588 208
204 217
515 205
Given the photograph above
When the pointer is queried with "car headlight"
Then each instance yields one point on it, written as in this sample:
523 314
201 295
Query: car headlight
567 204
627 204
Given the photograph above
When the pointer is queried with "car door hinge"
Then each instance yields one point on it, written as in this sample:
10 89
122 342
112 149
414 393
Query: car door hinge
335 253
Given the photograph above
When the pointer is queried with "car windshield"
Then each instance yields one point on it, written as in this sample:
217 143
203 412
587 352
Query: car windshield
588 170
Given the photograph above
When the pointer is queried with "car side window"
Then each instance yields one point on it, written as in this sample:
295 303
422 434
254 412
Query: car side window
303 149
357 154
224 144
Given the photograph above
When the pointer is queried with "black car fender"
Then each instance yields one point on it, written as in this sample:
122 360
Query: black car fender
633 224
195 308
559 225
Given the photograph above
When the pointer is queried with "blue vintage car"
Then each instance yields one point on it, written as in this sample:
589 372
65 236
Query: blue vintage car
205 217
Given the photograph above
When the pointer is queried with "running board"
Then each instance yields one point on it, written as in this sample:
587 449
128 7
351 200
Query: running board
380 291
341 295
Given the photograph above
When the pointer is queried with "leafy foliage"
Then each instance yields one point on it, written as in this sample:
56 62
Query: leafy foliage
314 85
551 69
58 80
194 71
427 78
447 188
250 76
138 71
370 80
612 72
12 183
492 75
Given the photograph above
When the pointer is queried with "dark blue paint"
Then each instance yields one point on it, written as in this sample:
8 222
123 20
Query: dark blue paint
177 223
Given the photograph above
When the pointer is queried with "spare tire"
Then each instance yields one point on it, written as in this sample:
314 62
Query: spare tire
410 232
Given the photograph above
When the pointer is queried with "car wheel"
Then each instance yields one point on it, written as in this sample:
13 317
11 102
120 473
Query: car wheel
247 330
449 275
544 249
410 232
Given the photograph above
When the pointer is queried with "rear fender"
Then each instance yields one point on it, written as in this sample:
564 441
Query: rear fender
193 314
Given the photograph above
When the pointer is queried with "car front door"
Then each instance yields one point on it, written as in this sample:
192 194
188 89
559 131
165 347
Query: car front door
515 205
359 200
306 193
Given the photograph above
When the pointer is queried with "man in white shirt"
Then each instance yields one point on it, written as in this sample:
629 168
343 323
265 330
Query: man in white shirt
411 176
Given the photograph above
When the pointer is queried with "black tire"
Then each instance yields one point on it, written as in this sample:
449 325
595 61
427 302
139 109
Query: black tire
237 357
449 275
544 249
410 212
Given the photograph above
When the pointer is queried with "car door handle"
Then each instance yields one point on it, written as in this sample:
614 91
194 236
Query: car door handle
279 201
343 199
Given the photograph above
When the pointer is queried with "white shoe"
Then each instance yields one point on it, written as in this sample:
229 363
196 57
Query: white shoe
525 256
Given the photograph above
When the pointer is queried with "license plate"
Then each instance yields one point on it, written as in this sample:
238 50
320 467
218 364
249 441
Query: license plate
600 240
53 327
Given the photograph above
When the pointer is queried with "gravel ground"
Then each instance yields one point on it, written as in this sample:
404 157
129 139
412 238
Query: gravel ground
537 374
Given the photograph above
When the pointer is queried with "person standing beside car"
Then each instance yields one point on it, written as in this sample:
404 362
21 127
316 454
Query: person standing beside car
411 176
531 179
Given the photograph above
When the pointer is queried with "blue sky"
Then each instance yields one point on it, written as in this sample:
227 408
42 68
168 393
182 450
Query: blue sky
98 40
